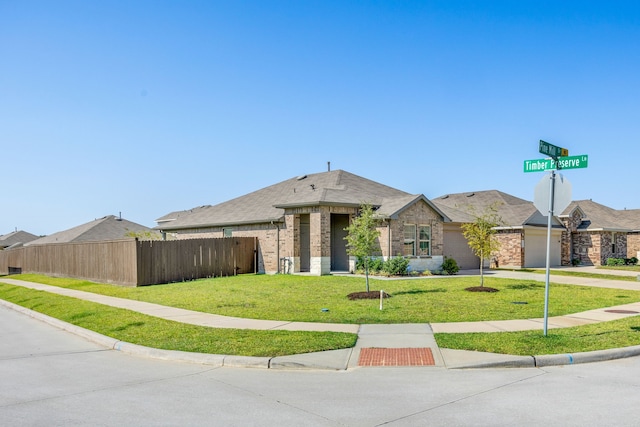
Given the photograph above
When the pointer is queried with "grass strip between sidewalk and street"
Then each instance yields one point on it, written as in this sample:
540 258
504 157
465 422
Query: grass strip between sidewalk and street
137 328
586 275
597 336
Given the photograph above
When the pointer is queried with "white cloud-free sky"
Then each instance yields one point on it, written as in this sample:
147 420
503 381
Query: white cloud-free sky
147 107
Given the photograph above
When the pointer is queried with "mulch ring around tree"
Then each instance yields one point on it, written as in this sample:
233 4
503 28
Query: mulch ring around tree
367 295
481 289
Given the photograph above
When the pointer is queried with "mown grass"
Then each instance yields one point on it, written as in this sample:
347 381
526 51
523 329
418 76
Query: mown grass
424 300
587 275
635 268
129 326
599 336
303 298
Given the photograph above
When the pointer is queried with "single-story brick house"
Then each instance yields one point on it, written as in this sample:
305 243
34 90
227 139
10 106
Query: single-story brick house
300 223
585 231
522 236
595 232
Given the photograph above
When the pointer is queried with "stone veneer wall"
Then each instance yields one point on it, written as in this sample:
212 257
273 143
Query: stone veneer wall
586 247
511 253
568 251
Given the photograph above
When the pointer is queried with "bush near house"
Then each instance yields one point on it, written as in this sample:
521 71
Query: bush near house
398 266
450 266
622 261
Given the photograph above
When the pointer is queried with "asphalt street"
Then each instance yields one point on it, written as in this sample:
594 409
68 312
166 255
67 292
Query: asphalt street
54 378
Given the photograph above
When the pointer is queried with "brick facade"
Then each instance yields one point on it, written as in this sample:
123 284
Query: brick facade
633 245
279 242
511 253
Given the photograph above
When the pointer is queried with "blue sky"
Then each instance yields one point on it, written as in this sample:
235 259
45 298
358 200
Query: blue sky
146 107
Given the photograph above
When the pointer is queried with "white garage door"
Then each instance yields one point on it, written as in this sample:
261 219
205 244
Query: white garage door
535 248
456 247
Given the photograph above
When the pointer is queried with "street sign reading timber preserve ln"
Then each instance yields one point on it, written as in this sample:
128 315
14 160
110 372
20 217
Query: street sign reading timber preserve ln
569 162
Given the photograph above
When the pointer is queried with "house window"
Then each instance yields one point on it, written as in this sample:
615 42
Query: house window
424 239
226 232
613 243
409 248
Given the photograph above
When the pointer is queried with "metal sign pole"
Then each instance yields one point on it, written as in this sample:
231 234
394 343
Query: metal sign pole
552 180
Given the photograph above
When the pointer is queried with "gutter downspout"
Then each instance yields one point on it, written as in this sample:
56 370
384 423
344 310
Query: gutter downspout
389 239
277 245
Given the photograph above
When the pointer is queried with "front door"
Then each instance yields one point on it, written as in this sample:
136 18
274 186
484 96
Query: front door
339 257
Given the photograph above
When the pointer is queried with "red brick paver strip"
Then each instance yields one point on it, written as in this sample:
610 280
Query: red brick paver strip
396 357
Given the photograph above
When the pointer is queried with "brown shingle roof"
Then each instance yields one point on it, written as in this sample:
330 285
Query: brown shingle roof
336 188
107 228
513 210
601 217
18 236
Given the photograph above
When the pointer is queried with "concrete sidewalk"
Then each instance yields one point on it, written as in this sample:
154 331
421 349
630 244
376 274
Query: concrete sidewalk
407 339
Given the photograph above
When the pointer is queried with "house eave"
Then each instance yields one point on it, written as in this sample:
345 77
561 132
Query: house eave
316 203
218 224
606 229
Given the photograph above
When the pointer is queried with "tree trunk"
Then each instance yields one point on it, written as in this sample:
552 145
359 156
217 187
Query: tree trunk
366 272
481 269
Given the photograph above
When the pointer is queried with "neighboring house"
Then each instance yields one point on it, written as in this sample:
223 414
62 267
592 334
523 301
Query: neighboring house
522 236
16 238
596 232
106 228
300 223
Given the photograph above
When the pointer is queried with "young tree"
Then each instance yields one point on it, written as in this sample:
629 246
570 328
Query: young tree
479 234
361 237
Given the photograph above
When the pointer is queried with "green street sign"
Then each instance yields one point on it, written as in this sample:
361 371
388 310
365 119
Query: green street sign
552 150
569 162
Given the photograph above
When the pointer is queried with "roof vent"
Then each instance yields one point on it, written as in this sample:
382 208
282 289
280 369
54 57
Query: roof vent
471 194
445 197
301 177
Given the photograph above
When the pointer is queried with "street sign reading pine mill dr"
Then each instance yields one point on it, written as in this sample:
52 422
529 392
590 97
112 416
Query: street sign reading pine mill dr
569 162
552 150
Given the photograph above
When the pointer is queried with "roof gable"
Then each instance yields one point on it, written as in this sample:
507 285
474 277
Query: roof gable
336 188
597 216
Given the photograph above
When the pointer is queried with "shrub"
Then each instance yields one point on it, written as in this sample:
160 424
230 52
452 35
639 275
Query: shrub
375 265
397 266
450 266
633 260
615 261
575 261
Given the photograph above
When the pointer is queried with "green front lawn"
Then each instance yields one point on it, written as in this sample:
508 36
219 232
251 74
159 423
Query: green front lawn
136 328
303 298
299 298
585 274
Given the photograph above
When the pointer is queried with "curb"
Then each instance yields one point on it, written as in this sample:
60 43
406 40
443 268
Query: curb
586 357
216 360
315 362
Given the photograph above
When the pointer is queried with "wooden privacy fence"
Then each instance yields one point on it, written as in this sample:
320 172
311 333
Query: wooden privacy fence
136 263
